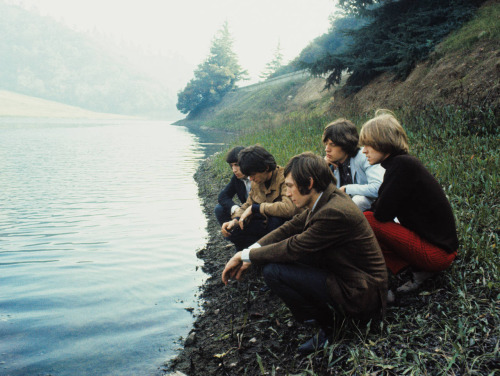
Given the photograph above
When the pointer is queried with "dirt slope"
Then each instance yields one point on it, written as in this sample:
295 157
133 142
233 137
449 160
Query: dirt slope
470 79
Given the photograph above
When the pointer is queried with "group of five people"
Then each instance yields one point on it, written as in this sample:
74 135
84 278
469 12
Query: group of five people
327 230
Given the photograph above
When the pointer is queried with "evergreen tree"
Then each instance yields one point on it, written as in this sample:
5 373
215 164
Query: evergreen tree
213 78
395 36
274 65
358 7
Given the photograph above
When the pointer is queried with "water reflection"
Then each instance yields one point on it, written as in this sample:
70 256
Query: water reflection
99 223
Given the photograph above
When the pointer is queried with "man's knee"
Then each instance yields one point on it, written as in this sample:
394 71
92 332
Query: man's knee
362 202
369 216
270 272
221 214
218 210
274 222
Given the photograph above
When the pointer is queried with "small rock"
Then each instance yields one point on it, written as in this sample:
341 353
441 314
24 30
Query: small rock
190 339
216 312
253 340
200 253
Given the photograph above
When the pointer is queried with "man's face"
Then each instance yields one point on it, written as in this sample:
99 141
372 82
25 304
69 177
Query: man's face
236 170
334 153
260 177
292 191
373 156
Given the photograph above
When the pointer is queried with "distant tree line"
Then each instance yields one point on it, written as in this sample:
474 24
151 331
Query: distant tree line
42 58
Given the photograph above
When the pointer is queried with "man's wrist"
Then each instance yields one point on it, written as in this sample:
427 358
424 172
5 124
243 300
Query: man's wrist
245 255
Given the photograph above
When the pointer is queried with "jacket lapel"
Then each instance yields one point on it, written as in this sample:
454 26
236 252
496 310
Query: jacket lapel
325 197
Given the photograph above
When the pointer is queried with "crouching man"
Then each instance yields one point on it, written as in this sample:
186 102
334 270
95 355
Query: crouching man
354 175
267 206
239 185
325 258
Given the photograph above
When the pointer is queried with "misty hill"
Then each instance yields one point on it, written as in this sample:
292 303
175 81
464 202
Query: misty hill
45 59
19 105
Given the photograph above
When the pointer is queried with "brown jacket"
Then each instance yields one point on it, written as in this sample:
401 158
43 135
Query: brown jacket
336 237
273 200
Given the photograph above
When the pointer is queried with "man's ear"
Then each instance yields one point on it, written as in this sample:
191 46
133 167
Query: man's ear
311 183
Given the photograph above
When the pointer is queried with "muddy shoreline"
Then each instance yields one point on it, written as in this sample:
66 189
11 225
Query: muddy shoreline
241 328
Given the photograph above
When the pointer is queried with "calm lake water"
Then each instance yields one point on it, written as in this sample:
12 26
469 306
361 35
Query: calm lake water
99 226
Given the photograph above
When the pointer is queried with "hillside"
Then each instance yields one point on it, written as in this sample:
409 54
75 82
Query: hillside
463 71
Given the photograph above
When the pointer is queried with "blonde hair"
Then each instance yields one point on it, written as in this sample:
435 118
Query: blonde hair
384 133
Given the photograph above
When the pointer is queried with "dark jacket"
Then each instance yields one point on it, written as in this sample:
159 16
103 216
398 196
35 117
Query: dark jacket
410 193
335 237
234 187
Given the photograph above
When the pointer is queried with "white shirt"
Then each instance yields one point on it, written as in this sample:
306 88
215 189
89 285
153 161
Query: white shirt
248 185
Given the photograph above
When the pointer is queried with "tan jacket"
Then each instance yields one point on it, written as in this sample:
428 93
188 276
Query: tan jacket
273 200
335 237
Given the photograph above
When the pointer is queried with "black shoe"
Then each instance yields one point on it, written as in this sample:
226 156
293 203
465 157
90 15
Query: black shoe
317 342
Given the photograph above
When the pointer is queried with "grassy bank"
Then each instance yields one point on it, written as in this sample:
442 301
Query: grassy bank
451 326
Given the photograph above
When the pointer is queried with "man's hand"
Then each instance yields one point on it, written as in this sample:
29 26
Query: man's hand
227 227
342 188
234 268
331 163
246 213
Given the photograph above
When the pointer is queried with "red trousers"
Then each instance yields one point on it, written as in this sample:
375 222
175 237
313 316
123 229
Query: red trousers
402 247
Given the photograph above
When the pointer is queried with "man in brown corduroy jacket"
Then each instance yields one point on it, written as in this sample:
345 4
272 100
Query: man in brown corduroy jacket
326 256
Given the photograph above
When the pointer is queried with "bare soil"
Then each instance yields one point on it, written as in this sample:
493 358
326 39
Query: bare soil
455 79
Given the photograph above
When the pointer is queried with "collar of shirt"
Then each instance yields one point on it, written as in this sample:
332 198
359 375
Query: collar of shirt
314 206
345 166
247 183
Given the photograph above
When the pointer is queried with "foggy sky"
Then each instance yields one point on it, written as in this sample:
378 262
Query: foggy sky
185 28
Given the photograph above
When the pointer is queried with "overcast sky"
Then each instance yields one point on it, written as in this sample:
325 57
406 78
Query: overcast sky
187 27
